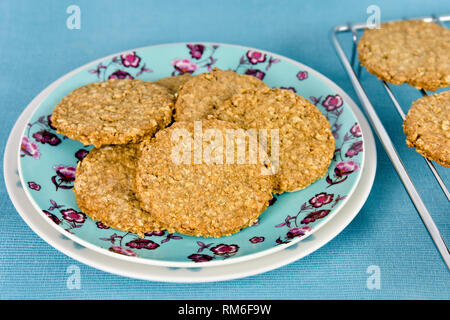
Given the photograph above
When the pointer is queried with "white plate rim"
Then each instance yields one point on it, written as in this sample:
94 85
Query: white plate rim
157 273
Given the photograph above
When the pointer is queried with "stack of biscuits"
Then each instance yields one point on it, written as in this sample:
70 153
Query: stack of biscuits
132 179
417 53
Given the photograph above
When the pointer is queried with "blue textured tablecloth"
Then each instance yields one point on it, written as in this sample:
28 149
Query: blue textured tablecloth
36 48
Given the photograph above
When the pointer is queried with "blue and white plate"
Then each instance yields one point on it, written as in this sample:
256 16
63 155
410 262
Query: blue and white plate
47 160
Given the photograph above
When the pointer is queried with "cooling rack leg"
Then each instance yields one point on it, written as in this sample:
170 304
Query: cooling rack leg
354 52
392 153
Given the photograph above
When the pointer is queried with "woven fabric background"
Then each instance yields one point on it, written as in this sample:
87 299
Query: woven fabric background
36 48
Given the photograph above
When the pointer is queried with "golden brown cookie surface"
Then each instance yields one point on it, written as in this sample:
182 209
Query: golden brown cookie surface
427 127
173 83
200 95
104 189
410 51
306 144
114 112
194 197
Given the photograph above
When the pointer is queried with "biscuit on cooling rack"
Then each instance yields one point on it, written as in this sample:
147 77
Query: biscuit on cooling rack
410 51
427 127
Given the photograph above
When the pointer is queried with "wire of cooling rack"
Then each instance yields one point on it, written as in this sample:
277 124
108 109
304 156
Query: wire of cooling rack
354 75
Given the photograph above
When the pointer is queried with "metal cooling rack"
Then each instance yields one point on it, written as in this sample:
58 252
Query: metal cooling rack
354 75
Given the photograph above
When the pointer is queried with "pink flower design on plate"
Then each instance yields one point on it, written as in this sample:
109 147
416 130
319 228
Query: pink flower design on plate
34 186
196 50
272 201
289 88
184 66
256 239
255 73
81 154
124 251
52 217
112 238
130 59
255 57
355 148
203 246
101 225
333 102
313 216
345 168
120 74
65 172
29 148
169 237
225 249
302 75
196 257
45 136
155 233
356 130
321 199
99 68
143 244
73 215
50 123
297 232
64 177
54 205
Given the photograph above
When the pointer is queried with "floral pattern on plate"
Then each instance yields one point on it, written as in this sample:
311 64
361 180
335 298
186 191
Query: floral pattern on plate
48 160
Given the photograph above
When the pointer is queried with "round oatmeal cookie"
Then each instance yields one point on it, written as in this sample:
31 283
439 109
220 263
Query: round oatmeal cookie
411 51
306 144
104 189
203 196
173 83
114 112
200 95
427 127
